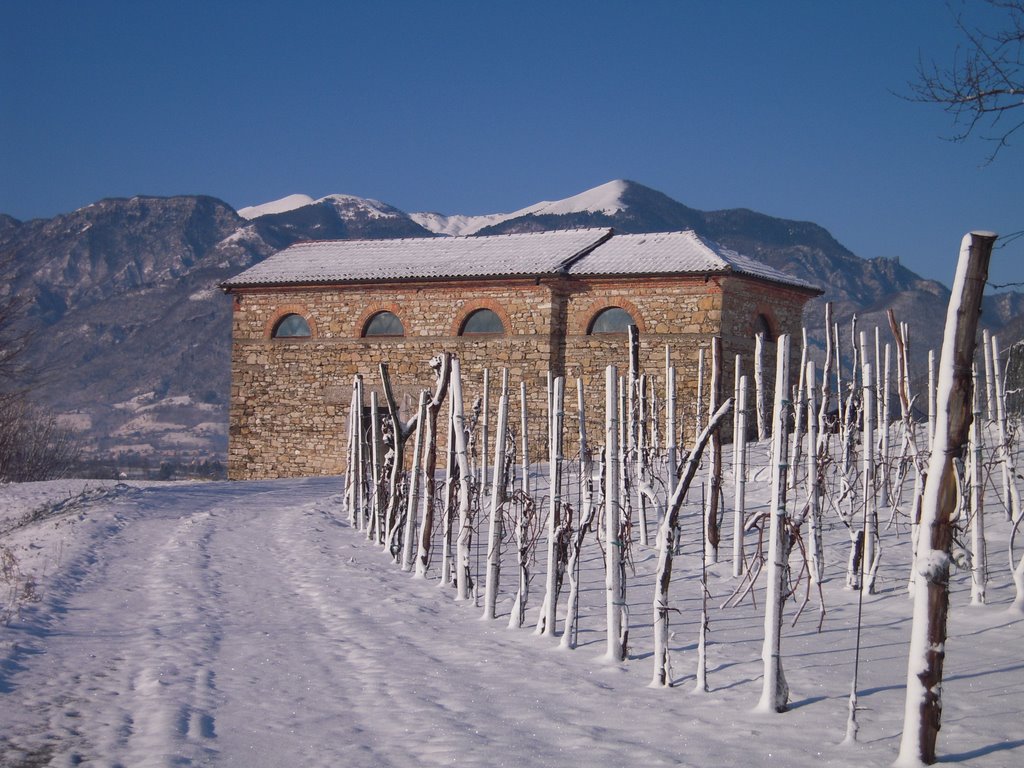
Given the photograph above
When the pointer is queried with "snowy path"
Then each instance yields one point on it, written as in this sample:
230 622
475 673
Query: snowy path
245 624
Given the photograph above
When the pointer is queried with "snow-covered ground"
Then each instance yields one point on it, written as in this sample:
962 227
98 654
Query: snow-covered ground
248 624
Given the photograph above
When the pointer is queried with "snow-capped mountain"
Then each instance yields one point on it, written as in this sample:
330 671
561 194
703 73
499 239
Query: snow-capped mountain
607 199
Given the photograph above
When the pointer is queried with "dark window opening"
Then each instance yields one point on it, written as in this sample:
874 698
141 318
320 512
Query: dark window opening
482 321
291 327
611 320
384 324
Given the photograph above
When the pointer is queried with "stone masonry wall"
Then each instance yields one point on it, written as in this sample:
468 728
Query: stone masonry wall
290 397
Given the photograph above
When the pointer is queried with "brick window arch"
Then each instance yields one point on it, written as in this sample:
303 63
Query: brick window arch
584 322
374 309
384 323
481 310
287 320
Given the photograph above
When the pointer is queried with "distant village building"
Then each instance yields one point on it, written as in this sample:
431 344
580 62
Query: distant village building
311 317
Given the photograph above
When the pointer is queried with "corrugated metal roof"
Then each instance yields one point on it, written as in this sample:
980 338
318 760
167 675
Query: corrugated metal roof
584 252
671 253
340 261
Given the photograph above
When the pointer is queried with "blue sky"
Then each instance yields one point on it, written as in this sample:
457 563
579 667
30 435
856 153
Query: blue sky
480 107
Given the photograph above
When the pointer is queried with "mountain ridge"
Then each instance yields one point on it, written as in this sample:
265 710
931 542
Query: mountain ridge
135 335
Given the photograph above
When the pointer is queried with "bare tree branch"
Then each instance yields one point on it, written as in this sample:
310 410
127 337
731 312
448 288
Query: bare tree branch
983 87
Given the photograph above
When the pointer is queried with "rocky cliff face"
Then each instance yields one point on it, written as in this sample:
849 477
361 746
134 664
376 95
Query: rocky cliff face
132 335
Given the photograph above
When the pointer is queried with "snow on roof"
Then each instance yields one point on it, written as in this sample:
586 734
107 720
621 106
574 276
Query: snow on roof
589 252
330 261
660 253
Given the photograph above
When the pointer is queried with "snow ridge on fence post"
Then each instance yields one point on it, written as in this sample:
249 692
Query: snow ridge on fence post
587 513
869 565
413 493
1004 441
615 592
377 496
450 471
979 559
759 395
517 616
712 533
357 489
463 580
553 576
739 444
923 711
775 691
497 492
442 365
816 548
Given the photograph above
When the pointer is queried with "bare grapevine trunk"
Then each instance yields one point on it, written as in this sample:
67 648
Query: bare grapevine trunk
668 538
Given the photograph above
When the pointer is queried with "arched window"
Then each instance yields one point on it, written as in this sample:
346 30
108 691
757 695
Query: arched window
611 320
291 327
482 321
384 324
763 325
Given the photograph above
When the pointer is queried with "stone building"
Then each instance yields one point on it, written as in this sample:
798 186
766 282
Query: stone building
312 316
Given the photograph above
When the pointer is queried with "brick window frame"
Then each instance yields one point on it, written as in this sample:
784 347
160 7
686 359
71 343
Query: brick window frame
469 308
598 306
281 313
375 309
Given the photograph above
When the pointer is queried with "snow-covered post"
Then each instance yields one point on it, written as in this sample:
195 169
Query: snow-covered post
553 576
671 450
1005 459
450 473
816 552
775 691
883 423
524 438
986 353
698 423
931 400
667 541
979 559
497 493
586 520
485 425
525 514
799 411
712 534
922 715
823 430
413 493
759 395
377 495
739 447
358 472
869 565
442 364
463 580
615 582
641 457
351 472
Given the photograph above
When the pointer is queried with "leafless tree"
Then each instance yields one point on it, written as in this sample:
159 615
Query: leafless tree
982 87
33 445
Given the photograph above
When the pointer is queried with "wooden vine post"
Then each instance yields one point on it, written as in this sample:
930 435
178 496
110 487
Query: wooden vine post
923 711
